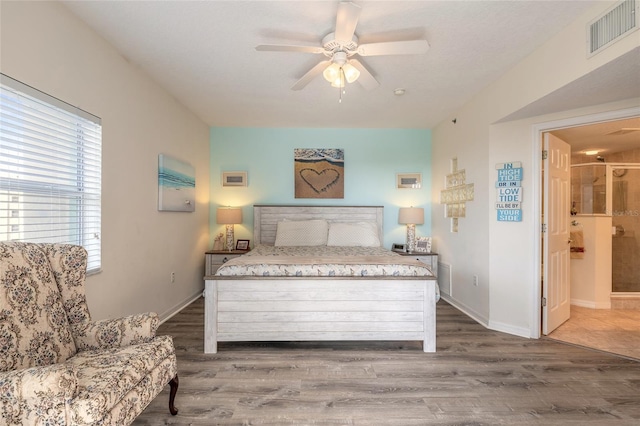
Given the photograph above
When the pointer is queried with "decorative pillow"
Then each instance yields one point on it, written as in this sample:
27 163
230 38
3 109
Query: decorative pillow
355 234
302 233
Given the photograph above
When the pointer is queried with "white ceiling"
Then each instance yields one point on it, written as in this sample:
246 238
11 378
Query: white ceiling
203 53
606 138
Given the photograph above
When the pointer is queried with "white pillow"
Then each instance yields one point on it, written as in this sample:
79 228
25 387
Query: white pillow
302 233
360 234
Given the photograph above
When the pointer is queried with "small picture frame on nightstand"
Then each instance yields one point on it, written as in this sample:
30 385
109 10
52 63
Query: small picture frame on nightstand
423 245
242 245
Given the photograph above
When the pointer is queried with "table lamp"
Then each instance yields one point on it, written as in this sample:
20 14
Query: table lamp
229 216
411 216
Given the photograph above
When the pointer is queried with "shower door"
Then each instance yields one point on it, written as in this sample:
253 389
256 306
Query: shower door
625 193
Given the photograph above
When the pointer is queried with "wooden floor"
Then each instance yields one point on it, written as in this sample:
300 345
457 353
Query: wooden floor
476 377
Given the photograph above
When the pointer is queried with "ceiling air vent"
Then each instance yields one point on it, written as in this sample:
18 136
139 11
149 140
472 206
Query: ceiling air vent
619 21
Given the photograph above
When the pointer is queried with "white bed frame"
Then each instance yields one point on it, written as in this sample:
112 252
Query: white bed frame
322 308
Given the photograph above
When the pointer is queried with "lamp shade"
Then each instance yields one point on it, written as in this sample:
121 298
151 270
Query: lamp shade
229 215
411 215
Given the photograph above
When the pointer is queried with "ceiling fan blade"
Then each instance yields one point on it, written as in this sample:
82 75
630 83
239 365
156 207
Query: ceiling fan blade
288 48
366 79
346 21
411 47
310 75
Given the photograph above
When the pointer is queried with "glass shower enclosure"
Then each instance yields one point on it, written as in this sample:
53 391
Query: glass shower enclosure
612 189
625 202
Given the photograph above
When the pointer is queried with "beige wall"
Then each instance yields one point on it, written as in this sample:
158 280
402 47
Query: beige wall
591 274
505 256
45 46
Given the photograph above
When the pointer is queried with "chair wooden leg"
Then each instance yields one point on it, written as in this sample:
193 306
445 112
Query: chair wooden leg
172 395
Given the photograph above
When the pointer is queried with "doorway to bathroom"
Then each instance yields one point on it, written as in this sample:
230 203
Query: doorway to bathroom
618 141
612 178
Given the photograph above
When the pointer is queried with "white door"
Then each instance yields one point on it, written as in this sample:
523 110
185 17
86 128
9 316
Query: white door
556 250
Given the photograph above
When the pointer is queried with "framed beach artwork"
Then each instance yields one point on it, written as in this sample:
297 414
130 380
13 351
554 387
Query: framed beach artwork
318 173
176 185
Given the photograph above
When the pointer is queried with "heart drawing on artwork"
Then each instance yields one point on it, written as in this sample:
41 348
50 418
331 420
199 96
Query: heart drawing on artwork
320 181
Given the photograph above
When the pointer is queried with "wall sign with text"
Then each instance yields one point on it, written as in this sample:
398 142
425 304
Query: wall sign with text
509 192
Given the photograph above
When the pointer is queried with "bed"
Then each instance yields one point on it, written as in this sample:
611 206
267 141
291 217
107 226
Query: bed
284 290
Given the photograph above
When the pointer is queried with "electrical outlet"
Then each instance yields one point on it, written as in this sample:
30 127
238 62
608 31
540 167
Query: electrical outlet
475 280
173 277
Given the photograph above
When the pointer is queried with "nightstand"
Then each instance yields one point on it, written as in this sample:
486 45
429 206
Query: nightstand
430 259
215 258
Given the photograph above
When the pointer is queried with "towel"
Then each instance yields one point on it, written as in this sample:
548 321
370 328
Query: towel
577 244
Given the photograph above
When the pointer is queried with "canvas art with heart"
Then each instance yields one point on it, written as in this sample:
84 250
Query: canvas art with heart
319 173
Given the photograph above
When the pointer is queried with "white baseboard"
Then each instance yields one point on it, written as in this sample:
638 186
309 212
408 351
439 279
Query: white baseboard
591 304
466 310
510 329
178 307
491 325
625 296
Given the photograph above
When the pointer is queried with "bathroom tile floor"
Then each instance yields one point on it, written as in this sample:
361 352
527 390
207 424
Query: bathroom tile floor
610 330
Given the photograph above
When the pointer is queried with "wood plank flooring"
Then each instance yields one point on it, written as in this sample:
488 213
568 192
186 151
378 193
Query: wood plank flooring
476 377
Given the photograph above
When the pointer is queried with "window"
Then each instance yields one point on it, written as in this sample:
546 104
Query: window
50 170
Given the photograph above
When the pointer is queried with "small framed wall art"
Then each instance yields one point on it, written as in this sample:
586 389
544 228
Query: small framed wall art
409 180
234 178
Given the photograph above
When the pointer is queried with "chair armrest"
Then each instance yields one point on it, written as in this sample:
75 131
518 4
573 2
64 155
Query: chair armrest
118 332
37 395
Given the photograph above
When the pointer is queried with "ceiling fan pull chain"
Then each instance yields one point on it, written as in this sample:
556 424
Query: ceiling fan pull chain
343 81
341 85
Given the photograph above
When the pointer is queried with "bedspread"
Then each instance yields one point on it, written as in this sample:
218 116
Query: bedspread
323 261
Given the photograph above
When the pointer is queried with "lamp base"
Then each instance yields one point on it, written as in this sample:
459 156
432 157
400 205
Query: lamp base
230 237
411 237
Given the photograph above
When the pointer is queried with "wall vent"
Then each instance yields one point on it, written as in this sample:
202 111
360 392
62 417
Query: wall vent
617 22
444 278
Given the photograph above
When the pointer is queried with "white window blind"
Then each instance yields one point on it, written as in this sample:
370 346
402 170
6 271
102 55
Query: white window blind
50 170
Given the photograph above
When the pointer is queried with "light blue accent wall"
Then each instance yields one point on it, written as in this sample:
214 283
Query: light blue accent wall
372 159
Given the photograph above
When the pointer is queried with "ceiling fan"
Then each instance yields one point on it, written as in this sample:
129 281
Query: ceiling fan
339 49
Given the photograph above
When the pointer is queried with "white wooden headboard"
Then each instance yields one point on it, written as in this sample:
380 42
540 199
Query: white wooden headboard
266 217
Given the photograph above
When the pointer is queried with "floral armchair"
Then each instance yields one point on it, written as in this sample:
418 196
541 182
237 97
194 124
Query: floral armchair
57 367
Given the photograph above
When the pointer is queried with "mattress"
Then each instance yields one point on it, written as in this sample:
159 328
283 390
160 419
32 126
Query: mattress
323 261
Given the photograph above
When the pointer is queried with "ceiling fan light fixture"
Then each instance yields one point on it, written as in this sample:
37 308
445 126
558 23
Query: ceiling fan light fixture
337 75
351 73
340 70
332 73
342 44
